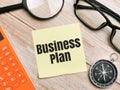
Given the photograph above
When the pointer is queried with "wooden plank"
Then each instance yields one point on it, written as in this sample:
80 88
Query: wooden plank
79 81
65 17
4 3
94 41
20 40
18 26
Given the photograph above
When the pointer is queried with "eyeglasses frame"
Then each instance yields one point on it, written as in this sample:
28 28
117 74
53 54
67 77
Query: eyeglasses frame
100 8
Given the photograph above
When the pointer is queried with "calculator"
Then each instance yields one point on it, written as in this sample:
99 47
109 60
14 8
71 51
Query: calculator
12 74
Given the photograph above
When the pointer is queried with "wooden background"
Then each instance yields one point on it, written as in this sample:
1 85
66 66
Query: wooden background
18 26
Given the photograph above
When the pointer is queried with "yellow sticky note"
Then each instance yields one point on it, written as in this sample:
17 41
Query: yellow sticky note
59 50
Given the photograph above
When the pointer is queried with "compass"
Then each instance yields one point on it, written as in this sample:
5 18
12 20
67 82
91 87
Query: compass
103 73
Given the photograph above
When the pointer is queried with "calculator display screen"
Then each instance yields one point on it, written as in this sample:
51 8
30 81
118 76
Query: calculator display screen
1 37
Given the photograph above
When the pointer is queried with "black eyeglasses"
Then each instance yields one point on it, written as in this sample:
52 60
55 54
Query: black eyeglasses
93 8
40 9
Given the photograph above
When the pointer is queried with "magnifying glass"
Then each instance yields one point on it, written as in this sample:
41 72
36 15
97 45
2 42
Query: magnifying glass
40 9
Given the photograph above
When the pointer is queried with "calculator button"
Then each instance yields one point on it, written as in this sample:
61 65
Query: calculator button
12 79
3 62
13 64
8 88
4 84
16 69
16 84
10 58
1 78
9 74
4 48
23 80
19 75
2 68
6 68
7 53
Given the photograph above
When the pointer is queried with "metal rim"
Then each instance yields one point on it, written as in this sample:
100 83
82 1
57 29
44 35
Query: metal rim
90 76
26 7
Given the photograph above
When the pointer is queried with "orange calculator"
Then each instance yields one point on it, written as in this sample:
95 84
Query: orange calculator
12 74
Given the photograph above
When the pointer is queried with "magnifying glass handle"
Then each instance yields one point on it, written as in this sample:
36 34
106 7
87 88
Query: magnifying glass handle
11 8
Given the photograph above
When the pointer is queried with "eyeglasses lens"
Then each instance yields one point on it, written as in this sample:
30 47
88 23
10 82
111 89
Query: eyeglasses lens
90 16
44 8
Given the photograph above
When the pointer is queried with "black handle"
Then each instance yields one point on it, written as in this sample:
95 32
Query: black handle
10 8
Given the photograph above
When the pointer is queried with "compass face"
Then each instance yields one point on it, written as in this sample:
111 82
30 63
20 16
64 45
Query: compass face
103 73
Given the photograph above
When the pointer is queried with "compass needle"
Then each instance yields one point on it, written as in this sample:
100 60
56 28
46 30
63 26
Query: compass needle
99 77
104 77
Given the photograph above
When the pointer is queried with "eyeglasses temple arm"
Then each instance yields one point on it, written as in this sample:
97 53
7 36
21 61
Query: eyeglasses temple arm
108 11
83 7
111 38
10 8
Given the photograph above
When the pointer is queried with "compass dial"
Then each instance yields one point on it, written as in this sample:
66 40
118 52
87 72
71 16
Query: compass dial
103 73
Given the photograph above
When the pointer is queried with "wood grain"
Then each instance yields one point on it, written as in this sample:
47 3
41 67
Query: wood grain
18 26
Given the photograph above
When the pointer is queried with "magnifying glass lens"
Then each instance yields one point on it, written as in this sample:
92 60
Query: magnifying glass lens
44 8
